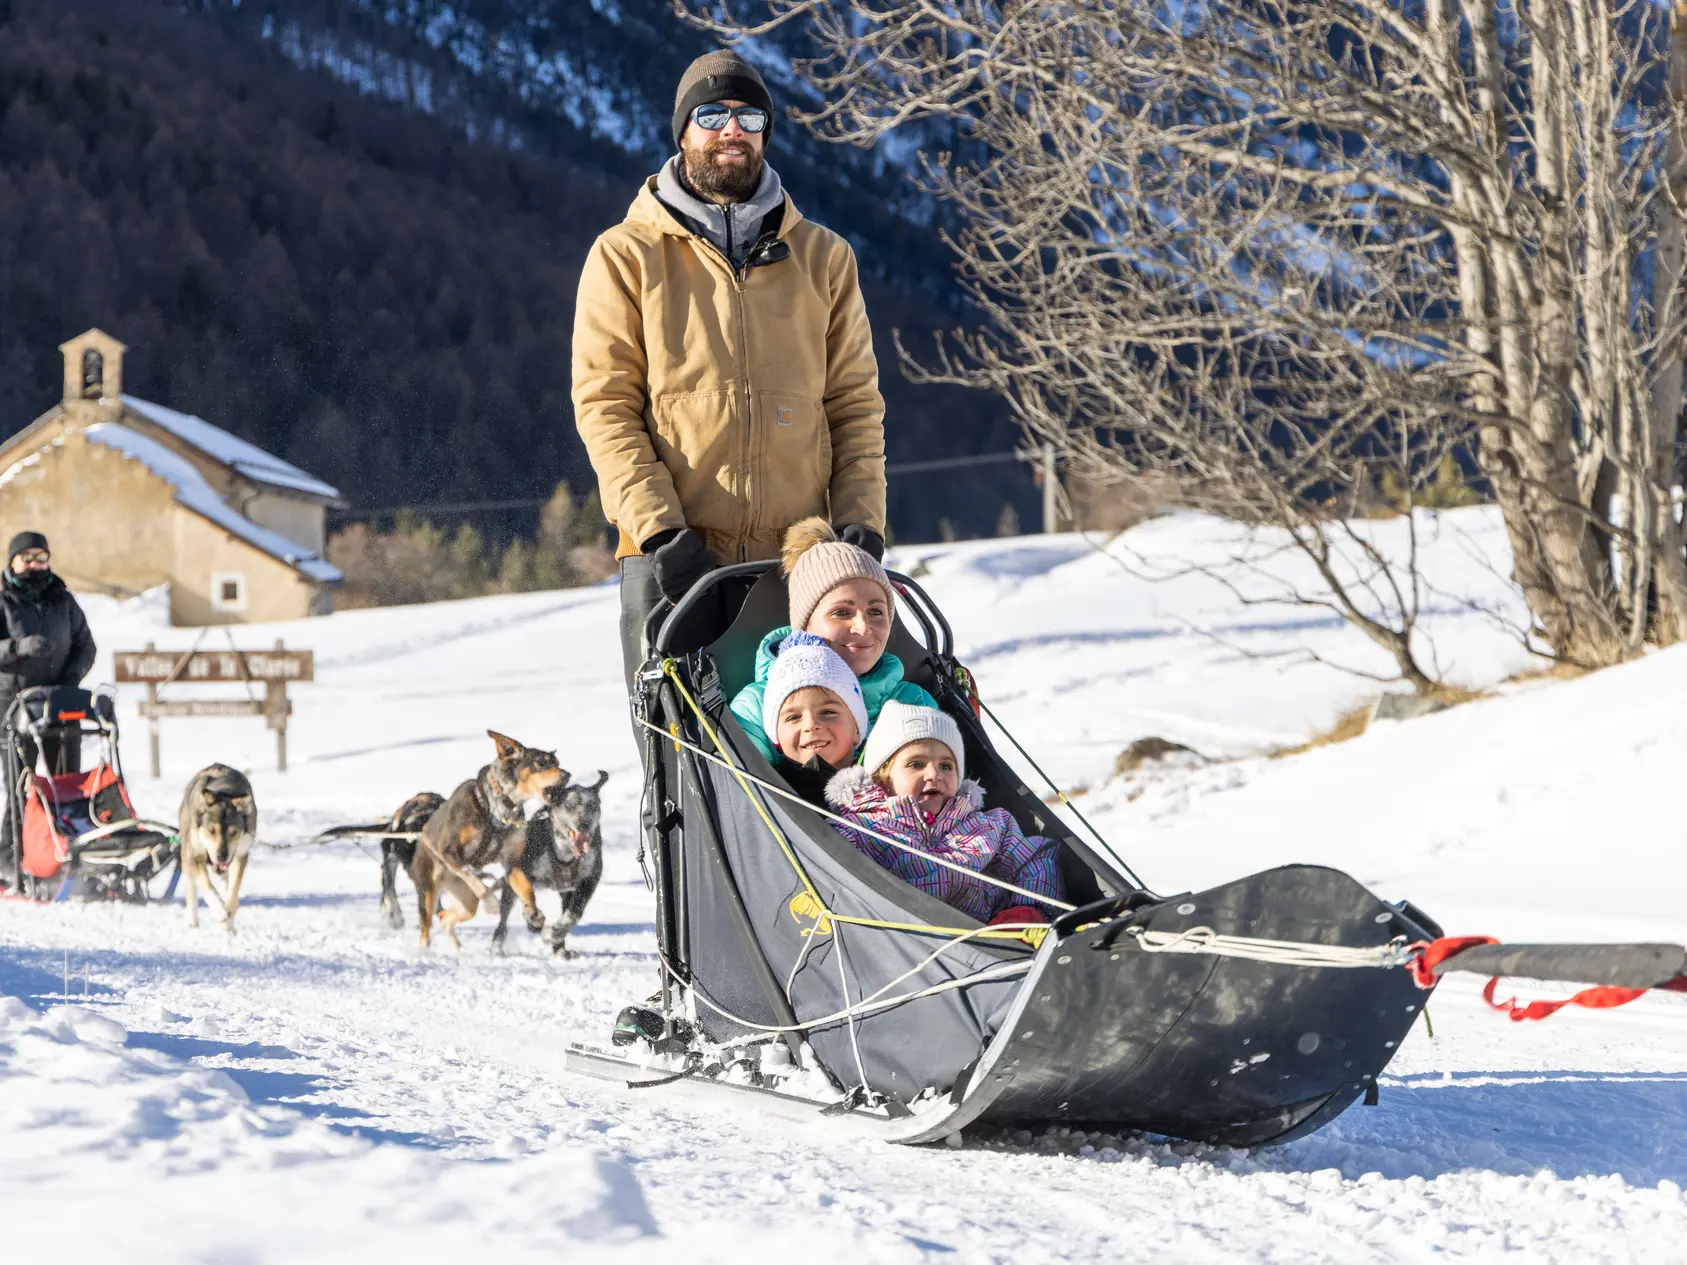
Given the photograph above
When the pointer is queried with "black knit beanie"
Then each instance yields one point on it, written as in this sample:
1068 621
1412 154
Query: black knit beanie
24 540
719 76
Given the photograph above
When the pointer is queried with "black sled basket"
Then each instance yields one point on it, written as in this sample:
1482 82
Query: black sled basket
74 832
772 927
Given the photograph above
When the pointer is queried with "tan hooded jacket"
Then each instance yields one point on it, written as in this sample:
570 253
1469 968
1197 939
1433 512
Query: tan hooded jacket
734 404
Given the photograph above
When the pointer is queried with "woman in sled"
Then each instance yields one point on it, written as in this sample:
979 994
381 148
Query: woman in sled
841 594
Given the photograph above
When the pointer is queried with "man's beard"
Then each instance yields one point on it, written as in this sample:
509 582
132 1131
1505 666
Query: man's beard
711 179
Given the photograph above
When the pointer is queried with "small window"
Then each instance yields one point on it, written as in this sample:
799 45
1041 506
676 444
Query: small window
228 591
93 374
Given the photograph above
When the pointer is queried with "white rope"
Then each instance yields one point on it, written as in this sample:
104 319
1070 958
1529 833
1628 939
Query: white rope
843 982
867 1005
92 836
1034 897
330 836
802 956
1282 952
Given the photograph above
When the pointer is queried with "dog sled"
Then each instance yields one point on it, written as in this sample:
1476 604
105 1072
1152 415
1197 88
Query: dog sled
75 832
799 976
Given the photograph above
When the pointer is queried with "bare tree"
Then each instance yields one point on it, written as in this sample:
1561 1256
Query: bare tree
1273 250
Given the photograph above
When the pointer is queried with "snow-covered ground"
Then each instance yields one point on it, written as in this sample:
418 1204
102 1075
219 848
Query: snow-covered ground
314 1088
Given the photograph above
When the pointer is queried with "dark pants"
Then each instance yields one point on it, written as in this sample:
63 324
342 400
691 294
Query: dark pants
639 596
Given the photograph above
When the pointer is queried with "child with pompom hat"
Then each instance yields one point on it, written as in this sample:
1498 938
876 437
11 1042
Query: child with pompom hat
813 713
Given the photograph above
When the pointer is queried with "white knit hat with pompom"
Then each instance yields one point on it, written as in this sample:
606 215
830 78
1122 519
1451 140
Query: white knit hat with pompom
804 661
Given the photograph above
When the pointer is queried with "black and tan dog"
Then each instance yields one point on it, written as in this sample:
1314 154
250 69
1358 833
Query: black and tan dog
400 854
564 852
483 823
396 854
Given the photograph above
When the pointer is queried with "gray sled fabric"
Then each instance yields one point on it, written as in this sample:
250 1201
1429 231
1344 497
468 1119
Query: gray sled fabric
920 1045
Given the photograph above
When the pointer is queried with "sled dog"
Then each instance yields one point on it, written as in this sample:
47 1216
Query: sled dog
400 854
396 854
483 823
219 824
564 852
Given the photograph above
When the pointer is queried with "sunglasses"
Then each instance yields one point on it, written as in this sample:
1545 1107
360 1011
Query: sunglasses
29 556
712 117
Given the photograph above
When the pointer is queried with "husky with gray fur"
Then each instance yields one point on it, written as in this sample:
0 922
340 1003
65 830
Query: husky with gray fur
219 825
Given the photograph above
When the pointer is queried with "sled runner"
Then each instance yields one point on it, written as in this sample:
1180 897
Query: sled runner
795 966
75 833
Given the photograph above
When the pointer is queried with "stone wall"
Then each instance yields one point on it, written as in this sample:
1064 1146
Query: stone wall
299 521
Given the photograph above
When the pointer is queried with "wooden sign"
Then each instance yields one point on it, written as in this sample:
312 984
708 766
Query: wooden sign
202 707
273 669
161 667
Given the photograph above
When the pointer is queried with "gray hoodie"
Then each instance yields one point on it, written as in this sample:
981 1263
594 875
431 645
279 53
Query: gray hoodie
734 228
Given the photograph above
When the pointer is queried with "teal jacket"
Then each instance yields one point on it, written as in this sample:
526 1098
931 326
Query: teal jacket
878 687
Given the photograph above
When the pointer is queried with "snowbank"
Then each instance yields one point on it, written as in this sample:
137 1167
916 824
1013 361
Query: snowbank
120 1154
1093 642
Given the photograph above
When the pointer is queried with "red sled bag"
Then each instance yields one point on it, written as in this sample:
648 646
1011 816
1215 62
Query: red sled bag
59 809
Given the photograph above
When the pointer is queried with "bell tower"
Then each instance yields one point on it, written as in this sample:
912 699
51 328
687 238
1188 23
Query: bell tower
93 369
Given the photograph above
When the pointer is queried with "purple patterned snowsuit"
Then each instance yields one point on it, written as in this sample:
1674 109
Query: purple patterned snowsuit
964 833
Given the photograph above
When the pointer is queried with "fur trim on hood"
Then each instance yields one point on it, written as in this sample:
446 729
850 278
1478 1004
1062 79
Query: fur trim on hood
855 783
848 785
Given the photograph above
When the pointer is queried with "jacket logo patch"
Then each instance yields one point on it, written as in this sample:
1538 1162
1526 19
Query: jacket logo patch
783 415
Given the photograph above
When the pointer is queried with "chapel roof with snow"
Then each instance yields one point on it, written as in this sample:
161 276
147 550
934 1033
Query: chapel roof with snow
212 472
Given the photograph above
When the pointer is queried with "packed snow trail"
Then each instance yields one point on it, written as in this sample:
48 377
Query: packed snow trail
316 1088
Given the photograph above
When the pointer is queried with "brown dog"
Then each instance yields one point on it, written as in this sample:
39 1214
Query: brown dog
484 822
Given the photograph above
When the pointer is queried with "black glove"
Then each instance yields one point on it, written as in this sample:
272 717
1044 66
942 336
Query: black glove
34 646
679 558
864 538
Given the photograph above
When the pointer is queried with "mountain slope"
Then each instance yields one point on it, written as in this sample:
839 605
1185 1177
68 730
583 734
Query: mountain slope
352 283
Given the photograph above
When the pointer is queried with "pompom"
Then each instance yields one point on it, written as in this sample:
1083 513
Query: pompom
800 638
802 536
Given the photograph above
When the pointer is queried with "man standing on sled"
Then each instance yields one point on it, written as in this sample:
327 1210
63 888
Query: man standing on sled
724 379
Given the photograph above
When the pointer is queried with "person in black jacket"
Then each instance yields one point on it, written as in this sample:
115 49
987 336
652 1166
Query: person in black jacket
44 639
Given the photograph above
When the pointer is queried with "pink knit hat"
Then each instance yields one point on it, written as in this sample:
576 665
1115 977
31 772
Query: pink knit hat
816 562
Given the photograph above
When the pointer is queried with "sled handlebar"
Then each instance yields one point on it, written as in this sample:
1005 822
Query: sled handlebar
663 623
938 635
99 710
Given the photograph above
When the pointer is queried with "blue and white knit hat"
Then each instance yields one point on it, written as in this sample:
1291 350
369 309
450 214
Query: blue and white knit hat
806 660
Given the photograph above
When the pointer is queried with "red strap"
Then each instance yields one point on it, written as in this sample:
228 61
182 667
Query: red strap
1435 952
970 683
1601 997
1018 914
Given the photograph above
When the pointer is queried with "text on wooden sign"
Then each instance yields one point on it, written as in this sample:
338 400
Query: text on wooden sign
156 666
